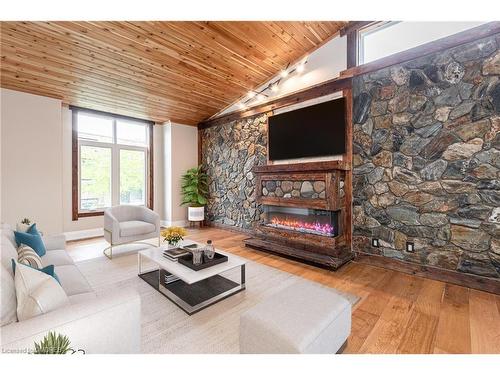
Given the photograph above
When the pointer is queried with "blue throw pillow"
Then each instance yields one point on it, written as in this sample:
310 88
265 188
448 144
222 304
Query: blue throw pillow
31 238
33 229
49 270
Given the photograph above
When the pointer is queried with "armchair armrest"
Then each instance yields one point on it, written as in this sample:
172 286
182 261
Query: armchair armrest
57 242
110 323
111 227
152 217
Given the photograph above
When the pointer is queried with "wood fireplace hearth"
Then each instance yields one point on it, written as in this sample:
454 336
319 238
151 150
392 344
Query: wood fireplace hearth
307 211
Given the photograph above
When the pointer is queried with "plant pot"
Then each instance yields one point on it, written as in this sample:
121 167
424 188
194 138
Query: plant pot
196 213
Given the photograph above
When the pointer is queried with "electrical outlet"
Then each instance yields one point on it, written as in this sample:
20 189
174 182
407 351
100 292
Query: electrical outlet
375 242
410 247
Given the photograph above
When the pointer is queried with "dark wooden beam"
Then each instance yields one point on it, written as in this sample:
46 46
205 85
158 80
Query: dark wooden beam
316 91
351 31
318 166
74 167
200 149
354 26
352 49
451 41
151 180
305 254
463 279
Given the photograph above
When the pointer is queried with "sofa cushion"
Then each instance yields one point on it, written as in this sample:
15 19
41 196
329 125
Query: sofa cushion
72 280
82 298
9 233
135 228
8 302
37 293
49 270
26 255
8 252
57 258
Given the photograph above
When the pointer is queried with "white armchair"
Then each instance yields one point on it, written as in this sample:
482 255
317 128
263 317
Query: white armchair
126 224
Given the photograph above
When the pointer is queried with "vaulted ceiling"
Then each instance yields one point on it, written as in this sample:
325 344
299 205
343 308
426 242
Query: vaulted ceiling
179 71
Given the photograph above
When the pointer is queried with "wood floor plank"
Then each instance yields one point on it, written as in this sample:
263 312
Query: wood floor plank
362 324
484 322
378 298
420 332
397 313
453 330
388 332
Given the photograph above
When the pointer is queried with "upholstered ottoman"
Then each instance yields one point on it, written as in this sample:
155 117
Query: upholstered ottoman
303 318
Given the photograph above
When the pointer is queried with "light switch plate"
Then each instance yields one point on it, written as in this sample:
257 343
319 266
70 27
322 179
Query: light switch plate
410 247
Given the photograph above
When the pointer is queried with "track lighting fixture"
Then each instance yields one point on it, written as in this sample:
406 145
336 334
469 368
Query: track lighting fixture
259 96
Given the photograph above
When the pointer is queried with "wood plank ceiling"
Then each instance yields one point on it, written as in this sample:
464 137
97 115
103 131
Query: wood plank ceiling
179 71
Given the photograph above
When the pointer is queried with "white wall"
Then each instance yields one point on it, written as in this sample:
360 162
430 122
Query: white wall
159 171
181 150
31 160
322 65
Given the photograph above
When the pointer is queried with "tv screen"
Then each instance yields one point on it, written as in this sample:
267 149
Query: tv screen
317 130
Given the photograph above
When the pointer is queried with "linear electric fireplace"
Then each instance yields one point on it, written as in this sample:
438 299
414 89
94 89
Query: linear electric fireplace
305 220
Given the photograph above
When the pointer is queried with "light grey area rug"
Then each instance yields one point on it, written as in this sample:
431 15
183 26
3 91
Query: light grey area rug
168 329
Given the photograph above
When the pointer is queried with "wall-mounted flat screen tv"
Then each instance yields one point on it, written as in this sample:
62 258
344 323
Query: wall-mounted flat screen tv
314 131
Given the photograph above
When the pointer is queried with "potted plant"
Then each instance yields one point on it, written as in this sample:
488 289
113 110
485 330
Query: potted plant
194 193
53 343
24 225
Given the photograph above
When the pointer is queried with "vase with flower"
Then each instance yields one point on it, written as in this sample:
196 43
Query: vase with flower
173 235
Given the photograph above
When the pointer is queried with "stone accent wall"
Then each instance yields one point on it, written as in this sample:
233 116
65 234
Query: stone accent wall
294 189
229 152
427 158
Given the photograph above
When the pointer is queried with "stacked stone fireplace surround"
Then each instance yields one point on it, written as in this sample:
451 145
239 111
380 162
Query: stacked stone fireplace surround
426 160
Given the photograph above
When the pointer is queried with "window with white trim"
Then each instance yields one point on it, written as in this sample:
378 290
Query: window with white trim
386 38
113 159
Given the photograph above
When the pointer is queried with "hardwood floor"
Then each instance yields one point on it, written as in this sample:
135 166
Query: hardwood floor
397 313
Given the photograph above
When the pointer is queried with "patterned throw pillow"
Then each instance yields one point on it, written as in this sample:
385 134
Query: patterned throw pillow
26 255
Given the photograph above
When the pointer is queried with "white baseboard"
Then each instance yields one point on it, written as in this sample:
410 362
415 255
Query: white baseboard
82 234
177 223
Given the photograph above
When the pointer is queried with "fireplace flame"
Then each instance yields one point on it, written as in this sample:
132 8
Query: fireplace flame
303 225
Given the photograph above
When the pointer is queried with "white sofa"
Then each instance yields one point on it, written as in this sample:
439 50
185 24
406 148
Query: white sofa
108 323
127 223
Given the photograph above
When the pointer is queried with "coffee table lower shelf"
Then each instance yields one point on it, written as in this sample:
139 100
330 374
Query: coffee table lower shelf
194 297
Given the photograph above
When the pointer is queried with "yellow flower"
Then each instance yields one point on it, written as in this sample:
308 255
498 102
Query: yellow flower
173 234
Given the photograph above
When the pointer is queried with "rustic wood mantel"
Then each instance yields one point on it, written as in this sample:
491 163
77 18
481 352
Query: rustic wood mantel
328 251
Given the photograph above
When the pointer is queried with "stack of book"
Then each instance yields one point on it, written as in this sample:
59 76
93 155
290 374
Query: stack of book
174 254
169 278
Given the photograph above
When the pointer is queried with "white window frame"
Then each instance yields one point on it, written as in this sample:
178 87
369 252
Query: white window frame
378 26
370 29
115 161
